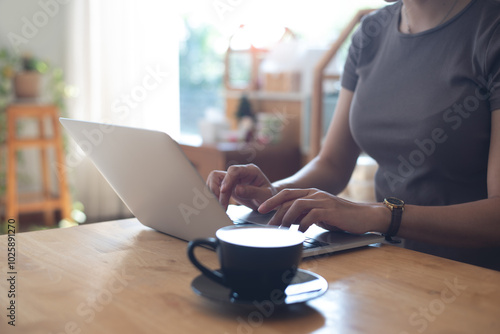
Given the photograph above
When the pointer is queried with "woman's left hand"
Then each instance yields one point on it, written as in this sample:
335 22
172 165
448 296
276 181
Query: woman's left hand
312 206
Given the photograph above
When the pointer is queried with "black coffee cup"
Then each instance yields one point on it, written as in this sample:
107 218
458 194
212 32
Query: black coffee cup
257 262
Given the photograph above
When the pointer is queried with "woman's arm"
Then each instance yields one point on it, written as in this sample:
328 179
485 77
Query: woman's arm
470 224
473 224
332 168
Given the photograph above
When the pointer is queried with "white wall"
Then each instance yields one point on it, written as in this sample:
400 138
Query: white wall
36 27
41 28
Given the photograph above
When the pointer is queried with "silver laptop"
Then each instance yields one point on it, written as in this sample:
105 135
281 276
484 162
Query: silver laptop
152 176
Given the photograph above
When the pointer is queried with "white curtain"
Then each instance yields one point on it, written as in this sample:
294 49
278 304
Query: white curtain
123 64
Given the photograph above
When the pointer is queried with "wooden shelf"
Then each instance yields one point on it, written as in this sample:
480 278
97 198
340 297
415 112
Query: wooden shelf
45 202
263 95
276 161
34 202
35 143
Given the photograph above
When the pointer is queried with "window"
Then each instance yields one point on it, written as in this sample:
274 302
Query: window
208 26
201 68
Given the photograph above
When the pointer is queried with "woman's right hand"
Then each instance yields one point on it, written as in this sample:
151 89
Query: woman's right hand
247 184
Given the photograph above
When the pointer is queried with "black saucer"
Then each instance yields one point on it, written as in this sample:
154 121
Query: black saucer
305 286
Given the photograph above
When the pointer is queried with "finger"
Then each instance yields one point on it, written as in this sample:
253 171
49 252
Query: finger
283 196
225 195
284 218
297 211
277 218
214 181
236 174
240 195
249 192
313 216
328 227
239 174
292 212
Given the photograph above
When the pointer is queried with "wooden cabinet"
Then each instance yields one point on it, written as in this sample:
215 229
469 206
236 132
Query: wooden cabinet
276 161
286 107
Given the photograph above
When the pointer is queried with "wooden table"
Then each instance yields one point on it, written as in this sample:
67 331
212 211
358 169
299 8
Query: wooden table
122 277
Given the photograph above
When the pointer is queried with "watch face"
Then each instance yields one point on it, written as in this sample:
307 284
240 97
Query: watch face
394 201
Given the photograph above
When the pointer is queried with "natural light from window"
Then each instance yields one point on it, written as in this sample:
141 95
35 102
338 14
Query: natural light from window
209 26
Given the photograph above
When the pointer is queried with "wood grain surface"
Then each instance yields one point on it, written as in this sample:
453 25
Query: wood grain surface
122 277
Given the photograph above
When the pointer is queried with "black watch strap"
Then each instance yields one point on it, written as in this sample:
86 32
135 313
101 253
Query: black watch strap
397 214
396 206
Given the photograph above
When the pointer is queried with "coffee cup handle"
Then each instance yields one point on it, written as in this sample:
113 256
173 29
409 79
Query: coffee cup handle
210 243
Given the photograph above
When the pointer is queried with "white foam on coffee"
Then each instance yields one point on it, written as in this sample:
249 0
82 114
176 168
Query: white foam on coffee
261 237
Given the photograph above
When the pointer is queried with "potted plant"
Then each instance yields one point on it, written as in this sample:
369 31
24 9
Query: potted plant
15 71
27 80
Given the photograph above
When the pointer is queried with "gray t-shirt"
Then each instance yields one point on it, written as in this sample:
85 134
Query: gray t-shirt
422 108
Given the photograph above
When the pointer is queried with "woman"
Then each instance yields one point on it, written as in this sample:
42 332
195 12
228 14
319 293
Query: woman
421 95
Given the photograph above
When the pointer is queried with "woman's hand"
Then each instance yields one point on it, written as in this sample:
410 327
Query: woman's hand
312 206
247 184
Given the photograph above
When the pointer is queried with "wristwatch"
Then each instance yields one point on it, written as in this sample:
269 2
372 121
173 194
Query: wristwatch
397 207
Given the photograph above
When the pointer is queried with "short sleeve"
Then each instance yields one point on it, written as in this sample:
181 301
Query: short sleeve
493 69
349 75
360 42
